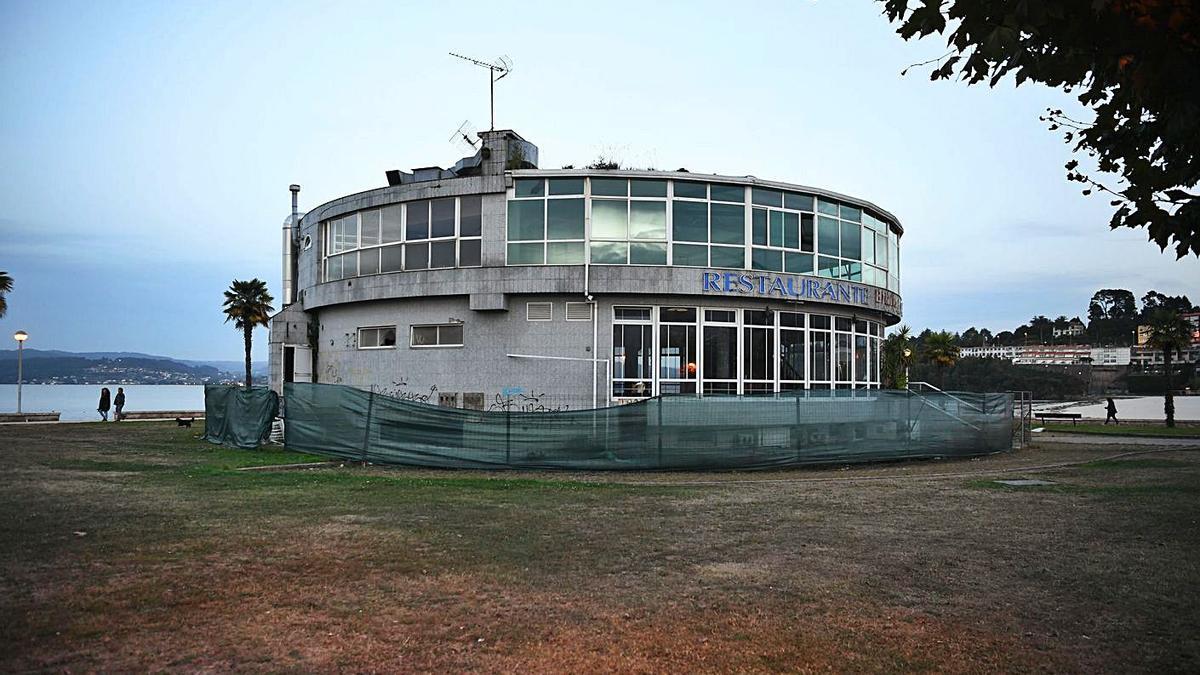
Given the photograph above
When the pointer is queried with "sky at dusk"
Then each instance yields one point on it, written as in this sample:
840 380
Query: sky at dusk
148 147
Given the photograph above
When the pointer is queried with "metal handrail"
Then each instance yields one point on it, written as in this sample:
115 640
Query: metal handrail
976 409
947 413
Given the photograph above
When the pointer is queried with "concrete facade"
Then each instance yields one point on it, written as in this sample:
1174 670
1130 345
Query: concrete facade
319 336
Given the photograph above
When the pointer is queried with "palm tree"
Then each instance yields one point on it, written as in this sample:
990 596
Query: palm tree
940 351
5 287
248 304
1170 333
897 357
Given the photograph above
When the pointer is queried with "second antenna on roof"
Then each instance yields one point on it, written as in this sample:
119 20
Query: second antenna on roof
496 72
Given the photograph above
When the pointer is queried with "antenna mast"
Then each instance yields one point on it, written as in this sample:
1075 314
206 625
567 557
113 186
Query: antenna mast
503 66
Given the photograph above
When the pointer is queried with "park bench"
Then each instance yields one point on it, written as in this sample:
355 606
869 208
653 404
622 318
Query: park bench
1043 416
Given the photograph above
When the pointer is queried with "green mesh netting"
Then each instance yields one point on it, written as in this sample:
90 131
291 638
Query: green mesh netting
674 432
237 416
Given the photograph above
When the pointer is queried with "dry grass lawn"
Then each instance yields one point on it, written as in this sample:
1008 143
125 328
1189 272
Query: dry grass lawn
139 547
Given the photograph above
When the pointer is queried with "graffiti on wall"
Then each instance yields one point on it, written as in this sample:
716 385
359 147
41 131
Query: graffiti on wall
515 399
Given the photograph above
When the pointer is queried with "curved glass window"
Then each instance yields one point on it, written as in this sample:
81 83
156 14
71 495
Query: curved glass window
648 221
416 235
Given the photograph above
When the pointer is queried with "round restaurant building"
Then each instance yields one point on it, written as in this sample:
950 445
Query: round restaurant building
497 285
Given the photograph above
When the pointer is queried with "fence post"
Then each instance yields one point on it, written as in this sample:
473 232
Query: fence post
367 429
507 437
660 431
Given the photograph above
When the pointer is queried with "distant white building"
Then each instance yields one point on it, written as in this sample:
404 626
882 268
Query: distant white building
1111 356
1144 356
1074 329
1053 355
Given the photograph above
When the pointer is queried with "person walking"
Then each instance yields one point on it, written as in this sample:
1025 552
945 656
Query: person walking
118 403
1112 412
102 408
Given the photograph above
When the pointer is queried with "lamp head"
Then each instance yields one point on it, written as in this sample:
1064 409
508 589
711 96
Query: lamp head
20 336
907 353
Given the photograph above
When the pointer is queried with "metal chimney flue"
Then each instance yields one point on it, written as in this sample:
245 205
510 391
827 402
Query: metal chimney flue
291 242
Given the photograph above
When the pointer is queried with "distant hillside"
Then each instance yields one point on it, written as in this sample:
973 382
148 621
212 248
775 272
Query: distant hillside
234 368
57 367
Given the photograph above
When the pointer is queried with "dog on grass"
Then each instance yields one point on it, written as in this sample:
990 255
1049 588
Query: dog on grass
184 422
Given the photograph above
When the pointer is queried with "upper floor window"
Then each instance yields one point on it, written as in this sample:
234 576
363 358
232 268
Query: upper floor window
417 235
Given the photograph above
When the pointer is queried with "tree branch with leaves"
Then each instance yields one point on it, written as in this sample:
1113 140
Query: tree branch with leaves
1134 64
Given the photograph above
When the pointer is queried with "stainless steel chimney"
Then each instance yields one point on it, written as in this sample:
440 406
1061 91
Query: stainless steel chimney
291 239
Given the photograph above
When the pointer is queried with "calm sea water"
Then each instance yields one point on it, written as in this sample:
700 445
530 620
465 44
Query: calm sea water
1139 408
78 401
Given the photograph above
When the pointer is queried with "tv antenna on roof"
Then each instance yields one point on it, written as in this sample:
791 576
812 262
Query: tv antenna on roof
463 135
496 72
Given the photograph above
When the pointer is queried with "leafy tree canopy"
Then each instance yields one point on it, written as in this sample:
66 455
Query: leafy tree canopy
1136 65
1112 303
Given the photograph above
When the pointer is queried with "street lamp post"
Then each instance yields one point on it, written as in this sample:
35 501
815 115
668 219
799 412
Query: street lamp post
907 356
20 336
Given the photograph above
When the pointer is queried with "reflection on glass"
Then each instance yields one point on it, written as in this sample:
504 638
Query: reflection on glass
564 253
766 259
641 187
369 227
728 224
689 221
758 226
851 241
727 193
759 354
791 354
416 256
610 187
798 263
843 357
368 261
417 223
442 222
470 216
647 254
827 236
566 186
677 352
689 255
828 207
610 219
727 256
648 220
860 358
791 200
632 351
529 187
391 257
764 197
777 228
526 254
564 219
610 252
720 352
391 223
468 253
526 220
819 352
691 190
441 254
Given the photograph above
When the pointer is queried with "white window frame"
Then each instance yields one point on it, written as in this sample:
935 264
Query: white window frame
359 344
412 331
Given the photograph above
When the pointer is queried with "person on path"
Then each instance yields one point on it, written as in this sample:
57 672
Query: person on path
118 403
1112 412
104 404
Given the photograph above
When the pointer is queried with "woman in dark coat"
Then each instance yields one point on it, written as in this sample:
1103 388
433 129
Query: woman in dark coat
104 404
1111 409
